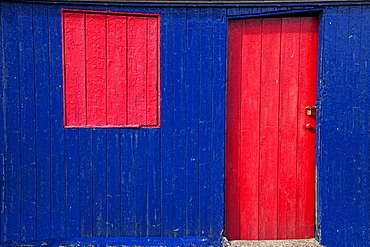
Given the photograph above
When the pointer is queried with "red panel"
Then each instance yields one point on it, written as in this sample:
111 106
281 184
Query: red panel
74 68
287 169
96 73
152 77
306 138
137 69
270 82
116 70
250 119
233 129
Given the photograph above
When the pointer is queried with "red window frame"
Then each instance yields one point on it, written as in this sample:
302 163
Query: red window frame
111 69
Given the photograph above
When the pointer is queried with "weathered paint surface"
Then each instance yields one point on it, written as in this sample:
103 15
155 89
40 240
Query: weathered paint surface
168 181
270 153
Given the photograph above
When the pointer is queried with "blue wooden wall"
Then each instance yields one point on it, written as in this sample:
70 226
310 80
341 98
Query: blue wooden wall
61 183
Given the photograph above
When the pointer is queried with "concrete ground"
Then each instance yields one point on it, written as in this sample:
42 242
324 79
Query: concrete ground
273 243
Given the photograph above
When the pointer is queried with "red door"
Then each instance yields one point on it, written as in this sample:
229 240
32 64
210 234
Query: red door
270 143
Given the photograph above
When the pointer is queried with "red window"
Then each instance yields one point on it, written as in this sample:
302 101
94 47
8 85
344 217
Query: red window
110 69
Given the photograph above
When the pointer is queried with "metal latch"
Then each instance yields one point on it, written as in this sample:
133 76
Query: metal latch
309 109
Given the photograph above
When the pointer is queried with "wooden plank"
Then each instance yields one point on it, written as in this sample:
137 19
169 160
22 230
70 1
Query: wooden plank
116 70
192 78
249 128
180 115
127 178
205 104
73 191
99 189
218 127
270 82
140 180
10 81
96 88
153 184
364 208
27 116
137 61
58 172
306 139
42 106
152 79
85 150
74 68
2 138
167 122
234 62
352 128
289 128
114 162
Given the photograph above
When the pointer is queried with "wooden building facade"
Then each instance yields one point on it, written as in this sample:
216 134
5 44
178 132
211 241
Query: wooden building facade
157 177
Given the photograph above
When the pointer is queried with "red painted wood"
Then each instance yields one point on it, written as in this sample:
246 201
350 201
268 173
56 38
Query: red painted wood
287 164
306 138
233 129
74 68
270 159
152 77
116 70
96 72
250 120
270 82
137 69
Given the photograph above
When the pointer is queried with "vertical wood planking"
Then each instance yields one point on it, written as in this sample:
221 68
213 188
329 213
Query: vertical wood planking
117 70
56 125
232 128
96 88
205 86
137 61
193 77
364 197
153 183
27 115
127 178
305 207
74 176
152 80
114 166
99 189
249 123
10 82
218 127
85 150
288 129
74 68
2 135
352 130
179 114
167 107
43 150
270 83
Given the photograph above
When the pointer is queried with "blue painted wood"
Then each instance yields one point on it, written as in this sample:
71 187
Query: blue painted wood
167 122
205 105
153 183
113 183
127 180
99 181
11 104
27 114
73 178
2 135
218 127
57 137
43 162
363 182
193 77
86 168
180 114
